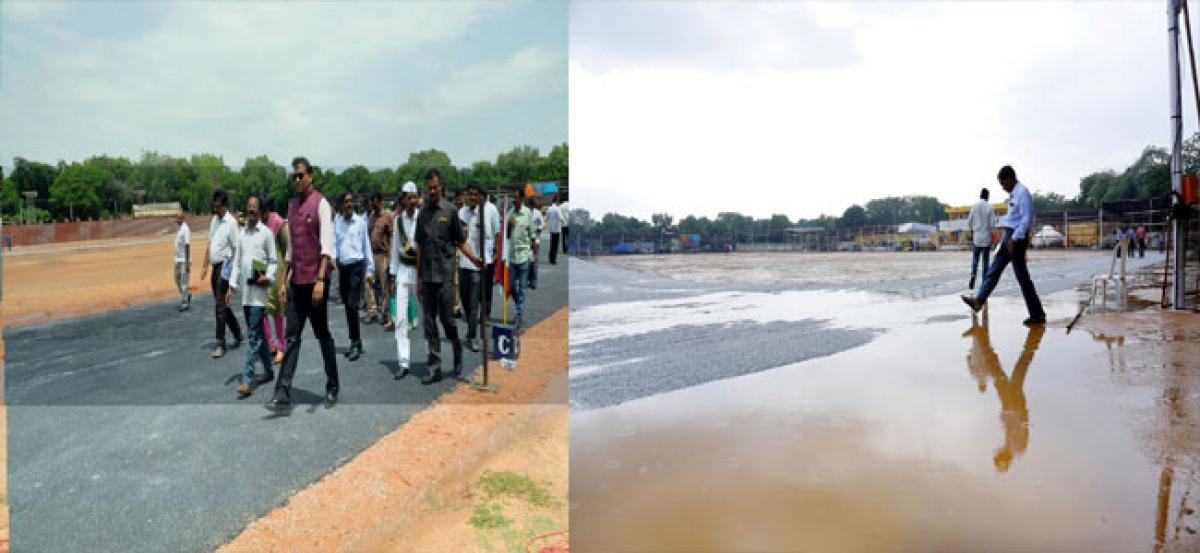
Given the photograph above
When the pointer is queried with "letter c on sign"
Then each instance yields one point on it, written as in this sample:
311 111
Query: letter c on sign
502 345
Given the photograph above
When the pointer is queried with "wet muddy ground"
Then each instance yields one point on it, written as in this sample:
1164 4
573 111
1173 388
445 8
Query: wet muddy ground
717 415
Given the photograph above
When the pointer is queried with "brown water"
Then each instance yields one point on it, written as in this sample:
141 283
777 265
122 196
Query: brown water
965 434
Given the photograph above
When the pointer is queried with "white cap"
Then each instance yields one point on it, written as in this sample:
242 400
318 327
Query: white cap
409 186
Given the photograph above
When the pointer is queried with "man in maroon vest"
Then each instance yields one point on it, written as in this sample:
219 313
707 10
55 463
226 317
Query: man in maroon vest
310 223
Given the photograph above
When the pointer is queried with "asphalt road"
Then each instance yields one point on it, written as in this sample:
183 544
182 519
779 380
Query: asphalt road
125 435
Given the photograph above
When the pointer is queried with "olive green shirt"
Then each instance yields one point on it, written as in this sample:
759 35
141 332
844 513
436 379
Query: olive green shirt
438 235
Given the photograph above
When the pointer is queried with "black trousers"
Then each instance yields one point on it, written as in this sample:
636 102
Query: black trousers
468 296
566 238
1032 303
222 311
350 287
554 247
300 308
437 301
489 279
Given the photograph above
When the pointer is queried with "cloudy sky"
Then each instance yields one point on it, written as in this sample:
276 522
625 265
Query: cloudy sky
342 83
807 108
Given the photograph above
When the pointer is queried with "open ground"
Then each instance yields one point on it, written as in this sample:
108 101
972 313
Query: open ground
851 402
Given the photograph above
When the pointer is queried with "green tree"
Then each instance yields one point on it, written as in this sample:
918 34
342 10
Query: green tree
356 179
31 175
662 222
76 191
517 165
854 216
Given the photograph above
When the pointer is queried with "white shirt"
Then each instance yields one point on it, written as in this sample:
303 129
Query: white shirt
491 226
1020 212
222 238
183 238
539 222
982 220
353 242
254 244
404 273
554 219
566 214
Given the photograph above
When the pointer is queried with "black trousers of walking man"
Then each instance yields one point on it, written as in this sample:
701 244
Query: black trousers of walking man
1017 258
350 288
222 311
554 236
437 301
300 308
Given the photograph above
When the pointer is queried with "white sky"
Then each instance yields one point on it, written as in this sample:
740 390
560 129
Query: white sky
807 108
340 82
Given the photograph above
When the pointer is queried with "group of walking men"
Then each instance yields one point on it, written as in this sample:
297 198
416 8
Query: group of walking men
426 254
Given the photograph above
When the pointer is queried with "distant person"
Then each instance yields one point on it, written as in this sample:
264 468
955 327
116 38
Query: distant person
1016 225
470 275
1130 240
565 212
439 234
355 264
459 199
539 224
554 223
519 229
1140 235
1118 237
310 228
254 267
222 241
982 220
183 261
379 287
402 264
277 294
491 253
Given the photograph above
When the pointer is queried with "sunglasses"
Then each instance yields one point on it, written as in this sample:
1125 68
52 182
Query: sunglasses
297 176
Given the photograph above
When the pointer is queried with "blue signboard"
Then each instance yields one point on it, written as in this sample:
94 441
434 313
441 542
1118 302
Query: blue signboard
505 342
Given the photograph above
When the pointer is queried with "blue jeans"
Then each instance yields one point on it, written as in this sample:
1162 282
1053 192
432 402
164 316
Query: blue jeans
255 345
992 276
986 252
520 279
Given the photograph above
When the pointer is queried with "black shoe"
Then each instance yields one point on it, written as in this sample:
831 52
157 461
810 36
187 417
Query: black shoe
276 405
971 285
1034 321
265 378
403 373
532 286
355 352
971 302
434 375
330 399
473 344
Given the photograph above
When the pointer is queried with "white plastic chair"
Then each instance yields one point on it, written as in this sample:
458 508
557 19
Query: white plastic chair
1100 282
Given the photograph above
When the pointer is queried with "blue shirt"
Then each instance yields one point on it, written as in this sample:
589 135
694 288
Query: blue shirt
351 241
1020 212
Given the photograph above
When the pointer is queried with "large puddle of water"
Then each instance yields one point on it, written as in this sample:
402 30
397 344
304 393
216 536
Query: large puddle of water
945 432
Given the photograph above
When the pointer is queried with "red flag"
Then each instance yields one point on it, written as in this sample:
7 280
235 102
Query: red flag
501 276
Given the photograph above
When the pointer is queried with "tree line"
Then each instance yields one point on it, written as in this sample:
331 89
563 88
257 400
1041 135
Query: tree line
1149 176
103 187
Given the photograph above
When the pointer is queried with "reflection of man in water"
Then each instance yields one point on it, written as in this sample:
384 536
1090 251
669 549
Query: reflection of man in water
1014 414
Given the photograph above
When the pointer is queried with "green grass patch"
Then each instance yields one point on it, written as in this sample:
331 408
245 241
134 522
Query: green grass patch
510 484
490 517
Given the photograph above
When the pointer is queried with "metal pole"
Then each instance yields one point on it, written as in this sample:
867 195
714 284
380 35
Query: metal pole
1173 10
